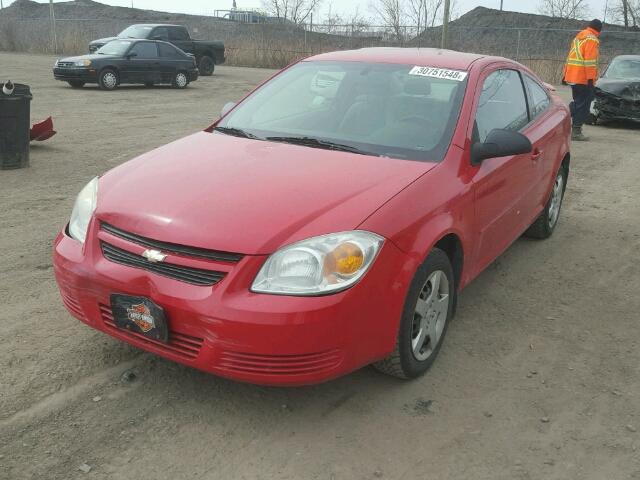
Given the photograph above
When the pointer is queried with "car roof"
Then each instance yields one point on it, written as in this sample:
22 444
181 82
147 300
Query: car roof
627 57
153 25
434 57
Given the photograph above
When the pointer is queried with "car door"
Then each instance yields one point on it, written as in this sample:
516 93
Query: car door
144 63
170 61
503 187
545 138
181 39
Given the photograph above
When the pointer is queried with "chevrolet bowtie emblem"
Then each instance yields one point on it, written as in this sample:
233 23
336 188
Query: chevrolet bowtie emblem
154 256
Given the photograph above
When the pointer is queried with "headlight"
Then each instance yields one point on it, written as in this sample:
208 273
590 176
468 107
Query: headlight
319 265
83 63
83 210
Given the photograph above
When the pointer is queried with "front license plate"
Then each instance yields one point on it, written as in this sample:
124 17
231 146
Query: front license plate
141 315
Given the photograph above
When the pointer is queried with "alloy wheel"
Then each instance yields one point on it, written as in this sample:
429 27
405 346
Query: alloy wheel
430 315
556 200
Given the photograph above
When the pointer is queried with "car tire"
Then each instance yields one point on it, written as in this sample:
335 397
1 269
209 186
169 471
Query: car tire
180 80
206 66
76 83
108 79
546 222
592 119
428 309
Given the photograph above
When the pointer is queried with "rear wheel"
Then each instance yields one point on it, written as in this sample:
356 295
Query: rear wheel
180 80
76 83
207 66
546 223
427 311
108 79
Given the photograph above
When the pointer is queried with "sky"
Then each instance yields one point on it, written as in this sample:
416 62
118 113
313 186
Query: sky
342 7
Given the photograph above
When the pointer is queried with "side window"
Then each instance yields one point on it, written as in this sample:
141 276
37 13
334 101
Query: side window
160 33
178 34
168 51
539 99
145 50
502 104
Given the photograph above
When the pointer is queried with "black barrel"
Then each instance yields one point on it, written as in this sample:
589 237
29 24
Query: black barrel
15 124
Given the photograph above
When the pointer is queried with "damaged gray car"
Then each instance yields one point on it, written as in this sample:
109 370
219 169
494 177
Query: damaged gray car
617 92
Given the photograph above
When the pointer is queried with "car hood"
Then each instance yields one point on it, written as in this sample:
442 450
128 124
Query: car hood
93 56
232 194
102 41
623 88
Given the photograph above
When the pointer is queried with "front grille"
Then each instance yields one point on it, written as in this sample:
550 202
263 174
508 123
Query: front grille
180 344
304 364
172 247
195 276
65 64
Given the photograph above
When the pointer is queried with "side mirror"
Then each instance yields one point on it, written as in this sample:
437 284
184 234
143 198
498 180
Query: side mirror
227 106
131 55
500 143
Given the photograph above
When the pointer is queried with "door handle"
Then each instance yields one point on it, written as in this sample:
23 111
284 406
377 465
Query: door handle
536 154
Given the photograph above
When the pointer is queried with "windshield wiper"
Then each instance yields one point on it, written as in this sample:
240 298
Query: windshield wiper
236 132
317 143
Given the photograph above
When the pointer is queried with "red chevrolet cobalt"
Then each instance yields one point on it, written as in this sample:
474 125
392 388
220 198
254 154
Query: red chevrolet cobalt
326 222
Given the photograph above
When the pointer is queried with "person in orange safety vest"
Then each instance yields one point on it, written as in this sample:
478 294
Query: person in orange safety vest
581 72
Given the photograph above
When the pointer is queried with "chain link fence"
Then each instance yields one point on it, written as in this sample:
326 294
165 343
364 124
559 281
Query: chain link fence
275 45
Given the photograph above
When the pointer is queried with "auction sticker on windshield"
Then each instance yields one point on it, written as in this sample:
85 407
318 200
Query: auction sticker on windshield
435 72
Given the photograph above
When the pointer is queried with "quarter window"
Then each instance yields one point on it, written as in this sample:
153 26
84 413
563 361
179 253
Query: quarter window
145 50
502 104
168 51
539 98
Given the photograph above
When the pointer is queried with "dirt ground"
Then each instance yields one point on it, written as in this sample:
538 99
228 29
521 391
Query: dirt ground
539 377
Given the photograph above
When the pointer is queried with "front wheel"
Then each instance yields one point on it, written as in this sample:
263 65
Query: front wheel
108 79
180 80
427 311
545 224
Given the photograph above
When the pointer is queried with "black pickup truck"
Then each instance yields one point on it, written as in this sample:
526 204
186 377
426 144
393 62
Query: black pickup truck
208 54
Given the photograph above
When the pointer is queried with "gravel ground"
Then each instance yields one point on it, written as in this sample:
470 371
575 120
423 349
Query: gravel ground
539 377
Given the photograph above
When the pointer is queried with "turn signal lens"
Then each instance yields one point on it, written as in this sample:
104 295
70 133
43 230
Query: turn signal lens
345 260
319 265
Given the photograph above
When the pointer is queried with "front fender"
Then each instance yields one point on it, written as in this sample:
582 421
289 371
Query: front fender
438 204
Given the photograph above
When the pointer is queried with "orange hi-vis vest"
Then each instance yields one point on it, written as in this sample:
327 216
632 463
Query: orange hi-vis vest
582 62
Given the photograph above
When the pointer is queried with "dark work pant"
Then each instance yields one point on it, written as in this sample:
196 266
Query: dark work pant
582 98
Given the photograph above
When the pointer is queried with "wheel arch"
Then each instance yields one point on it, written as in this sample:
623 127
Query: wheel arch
451 244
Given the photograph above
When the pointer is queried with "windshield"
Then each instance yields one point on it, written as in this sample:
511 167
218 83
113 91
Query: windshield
136 31
115 47
381 109
624 69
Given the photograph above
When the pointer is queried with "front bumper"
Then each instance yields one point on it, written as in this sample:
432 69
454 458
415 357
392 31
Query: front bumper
229 331
194 74
80 74
615 108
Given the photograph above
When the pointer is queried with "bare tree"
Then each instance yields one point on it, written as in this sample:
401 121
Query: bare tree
392 14
296 11
626 12
564 8
353 24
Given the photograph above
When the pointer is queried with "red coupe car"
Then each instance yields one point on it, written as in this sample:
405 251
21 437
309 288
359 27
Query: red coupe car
326 222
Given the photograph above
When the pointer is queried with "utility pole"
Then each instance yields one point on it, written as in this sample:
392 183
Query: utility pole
501 4
53 27
626 13
445 24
